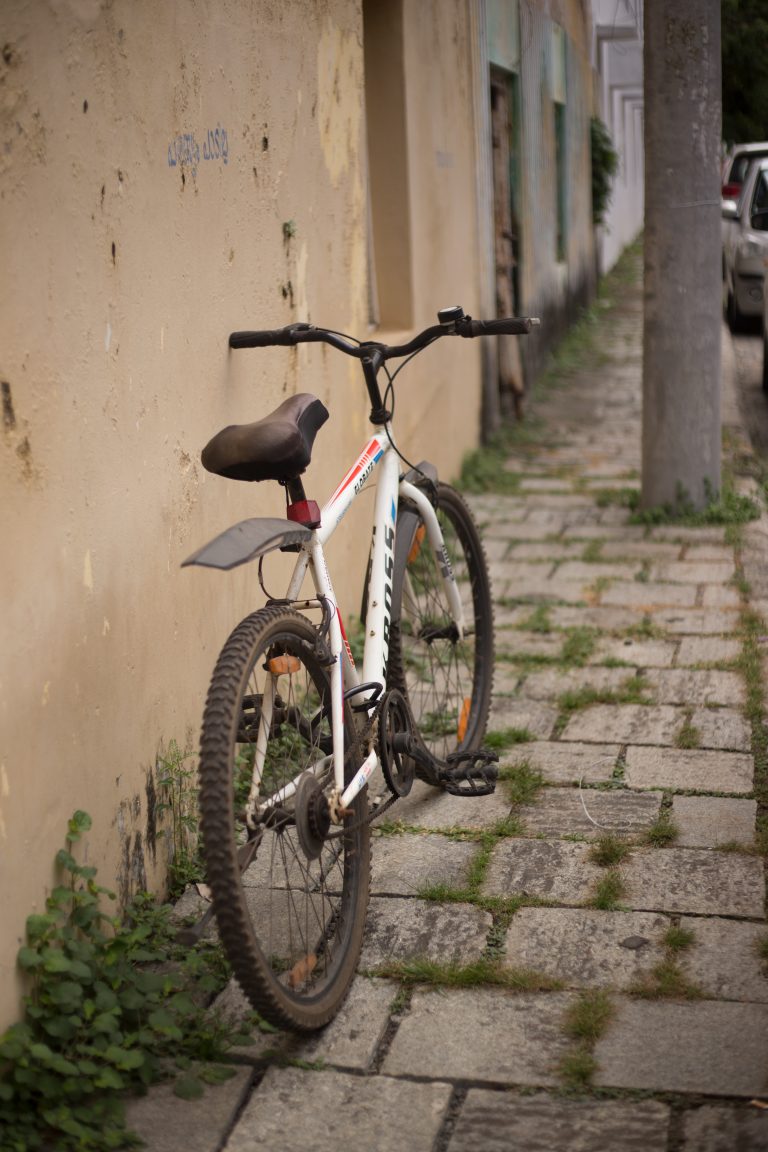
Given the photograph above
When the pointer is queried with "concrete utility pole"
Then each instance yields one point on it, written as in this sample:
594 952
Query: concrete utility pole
682 319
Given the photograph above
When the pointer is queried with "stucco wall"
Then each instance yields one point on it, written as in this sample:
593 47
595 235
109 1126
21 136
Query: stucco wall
170 172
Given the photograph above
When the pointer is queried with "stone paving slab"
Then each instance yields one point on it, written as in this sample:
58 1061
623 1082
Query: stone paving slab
717 596
595 616
604 531
702 535
543 590
448 1034
590 812
401 865
718 552
625 724
519 529
649 596
556 870
292 1111
431 808
705 622
707 650
536 716
709 1047
716 1128
640 550
584 947
553 550
722 728
519 643
688 769
426 807
551 683
724 959
709 821
349 1041
634 652
695 880
564 763
695 571
167 1123
589 572
503 1122
399 929
699 687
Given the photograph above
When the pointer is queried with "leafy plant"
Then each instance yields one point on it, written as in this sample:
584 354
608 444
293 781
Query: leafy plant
605 164
111 1009
177 782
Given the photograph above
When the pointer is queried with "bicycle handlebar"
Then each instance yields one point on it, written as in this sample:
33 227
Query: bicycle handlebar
370 349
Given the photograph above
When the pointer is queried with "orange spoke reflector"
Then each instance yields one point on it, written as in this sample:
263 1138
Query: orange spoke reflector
283 665
420 533
463 719
302 969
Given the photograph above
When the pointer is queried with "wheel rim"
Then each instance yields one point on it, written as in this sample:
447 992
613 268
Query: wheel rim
440 670
285 918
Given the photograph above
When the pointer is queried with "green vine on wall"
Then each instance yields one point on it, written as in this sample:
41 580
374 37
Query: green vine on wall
605 165
114 1006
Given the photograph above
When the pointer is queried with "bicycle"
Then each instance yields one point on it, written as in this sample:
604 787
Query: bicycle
292 731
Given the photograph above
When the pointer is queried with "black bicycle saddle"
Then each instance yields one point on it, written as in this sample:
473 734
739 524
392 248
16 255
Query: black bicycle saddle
279 447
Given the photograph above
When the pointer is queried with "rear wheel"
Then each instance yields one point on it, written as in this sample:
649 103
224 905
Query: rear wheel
447 679
290 891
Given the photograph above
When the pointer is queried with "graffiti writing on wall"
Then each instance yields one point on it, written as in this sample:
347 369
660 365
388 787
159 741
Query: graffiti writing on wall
185 149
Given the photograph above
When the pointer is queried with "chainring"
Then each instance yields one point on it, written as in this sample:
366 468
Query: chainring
395 721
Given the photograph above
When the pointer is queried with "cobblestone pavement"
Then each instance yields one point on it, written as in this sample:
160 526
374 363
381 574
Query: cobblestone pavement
638 1012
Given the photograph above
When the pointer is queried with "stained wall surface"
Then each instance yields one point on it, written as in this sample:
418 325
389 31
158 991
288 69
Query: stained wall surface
170 172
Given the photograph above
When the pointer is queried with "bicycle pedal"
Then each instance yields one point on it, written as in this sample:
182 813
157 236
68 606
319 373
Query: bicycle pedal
470 773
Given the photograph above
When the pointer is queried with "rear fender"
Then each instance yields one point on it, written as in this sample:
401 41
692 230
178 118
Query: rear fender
247 540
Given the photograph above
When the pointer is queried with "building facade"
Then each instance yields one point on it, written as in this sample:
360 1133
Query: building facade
169 173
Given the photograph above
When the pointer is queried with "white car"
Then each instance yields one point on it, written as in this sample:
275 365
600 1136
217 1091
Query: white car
745 248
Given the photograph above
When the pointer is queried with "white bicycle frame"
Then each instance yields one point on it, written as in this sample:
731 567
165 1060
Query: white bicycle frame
378 454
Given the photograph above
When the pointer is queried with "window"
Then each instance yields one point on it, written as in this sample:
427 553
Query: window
390 275
558 76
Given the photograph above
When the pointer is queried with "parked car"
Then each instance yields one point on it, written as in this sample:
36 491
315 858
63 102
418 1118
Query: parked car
745 248
736 165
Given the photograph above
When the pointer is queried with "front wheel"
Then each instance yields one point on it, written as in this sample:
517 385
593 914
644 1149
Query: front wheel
289 888
447 678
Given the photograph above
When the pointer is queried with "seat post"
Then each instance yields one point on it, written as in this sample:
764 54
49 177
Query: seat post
301 510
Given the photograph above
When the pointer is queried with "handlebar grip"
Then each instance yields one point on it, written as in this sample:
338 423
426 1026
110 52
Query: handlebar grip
509 326
265 338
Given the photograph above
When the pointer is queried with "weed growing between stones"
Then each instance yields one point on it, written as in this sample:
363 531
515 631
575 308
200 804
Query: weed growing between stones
114 1006
593 552
585 1022
521 782
609 850
176 777
689 735
608 891
666 980
539 620
632 691
662 832
479 973
727 507
750 665
578 647
504 738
